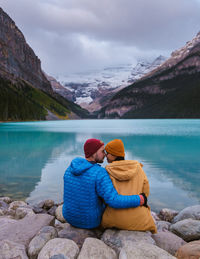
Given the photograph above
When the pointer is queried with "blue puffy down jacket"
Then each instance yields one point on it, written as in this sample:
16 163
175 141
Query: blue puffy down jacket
86 187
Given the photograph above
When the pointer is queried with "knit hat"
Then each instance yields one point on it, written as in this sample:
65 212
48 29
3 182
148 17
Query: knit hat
91 146
115 148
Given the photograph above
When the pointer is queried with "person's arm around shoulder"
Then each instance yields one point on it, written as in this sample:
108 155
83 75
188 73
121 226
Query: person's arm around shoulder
106 190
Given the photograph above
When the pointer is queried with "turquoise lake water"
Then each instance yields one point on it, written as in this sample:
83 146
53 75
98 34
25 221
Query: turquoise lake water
34 156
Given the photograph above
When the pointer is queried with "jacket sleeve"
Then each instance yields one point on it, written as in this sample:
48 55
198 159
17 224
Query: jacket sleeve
106 190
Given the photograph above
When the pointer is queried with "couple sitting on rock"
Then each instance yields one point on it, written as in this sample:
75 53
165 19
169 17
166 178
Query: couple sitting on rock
111 197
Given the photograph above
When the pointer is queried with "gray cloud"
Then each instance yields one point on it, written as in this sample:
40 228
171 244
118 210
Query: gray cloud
75 35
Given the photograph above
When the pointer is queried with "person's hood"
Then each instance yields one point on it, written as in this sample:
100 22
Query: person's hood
79 165
124 170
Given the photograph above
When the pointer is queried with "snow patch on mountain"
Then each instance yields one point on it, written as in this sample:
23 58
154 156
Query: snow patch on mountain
86 87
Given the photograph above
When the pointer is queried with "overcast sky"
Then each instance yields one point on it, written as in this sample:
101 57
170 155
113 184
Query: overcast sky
76 35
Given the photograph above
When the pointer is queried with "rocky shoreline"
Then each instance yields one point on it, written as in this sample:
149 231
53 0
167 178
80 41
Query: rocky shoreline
40 232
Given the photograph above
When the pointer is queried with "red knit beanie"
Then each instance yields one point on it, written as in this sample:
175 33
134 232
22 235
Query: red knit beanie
91 146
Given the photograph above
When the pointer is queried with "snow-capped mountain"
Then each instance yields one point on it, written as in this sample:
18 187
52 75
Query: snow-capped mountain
144 67
171 90
88 88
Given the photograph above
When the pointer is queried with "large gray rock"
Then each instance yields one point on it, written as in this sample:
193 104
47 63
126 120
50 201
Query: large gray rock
117 238
58 246
78 235
143 251
168 241
5 221
23 230
9 250
187 229
44 235
94 249
167 214
192 212
19 209
16 204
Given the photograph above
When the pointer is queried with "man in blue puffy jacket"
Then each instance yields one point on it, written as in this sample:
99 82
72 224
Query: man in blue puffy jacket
88 187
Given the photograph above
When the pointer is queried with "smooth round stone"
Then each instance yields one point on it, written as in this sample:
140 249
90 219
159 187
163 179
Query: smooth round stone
16 204
192 212
37 243
78 235
187 229
95 248
59 246
168 241
142 250
189 251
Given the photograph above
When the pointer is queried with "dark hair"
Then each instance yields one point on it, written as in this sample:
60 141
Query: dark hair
119 158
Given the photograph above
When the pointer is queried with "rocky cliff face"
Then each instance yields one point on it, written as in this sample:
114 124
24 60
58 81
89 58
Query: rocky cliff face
18 60
184 60
58 88
25 92
172 90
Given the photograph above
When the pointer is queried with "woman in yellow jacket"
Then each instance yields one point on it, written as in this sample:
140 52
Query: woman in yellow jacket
128 178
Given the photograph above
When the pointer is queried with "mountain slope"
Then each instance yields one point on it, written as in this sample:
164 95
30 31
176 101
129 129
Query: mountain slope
18 60
22 102
91 89
58 88
25 92
170 91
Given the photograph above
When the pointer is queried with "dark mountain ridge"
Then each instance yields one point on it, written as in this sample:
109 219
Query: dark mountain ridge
18 60
25 92
170 91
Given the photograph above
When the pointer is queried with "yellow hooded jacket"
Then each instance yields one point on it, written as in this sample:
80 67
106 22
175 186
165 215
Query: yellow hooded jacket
129 178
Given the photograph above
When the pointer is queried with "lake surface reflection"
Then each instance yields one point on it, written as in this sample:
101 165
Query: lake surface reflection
34 156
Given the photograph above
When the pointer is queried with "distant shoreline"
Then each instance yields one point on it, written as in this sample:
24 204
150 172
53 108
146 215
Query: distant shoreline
105 119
